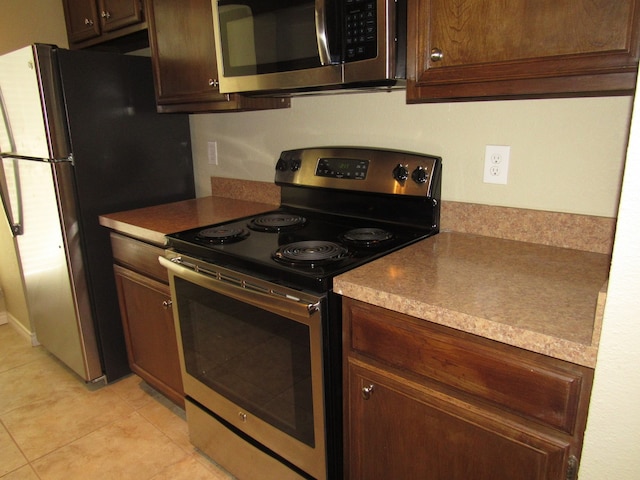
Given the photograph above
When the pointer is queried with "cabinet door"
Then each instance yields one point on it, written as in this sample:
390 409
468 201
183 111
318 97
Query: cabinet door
82 19
397 431
484 48
147 318
115 14
183 50
184 61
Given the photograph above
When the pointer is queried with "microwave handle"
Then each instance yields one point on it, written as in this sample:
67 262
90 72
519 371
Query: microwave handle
321 32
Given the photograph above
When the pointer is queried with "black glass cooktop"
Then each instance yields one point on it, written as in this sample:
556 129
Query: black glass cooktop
298 248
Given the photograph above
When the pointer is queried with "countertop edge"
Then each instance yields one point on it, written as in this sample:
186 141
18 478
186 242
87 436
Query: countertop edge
139 233
548 345
151 224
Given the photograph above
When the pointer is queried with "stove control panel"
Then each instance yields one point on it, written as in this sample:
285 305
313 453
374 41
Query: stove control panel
349 168
372 170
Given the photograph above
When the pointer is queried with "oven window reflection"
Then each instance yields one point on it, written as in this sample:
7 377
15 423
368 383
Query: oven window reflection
256 359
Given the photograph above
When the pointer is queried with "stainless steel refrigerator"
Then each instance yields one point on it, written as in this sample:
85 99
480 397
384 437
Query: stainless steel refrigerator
80 137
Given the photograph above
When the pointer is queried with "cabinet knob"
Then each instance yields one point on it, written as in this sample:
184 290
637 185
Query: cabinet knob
436 55
105 14
367 391
167 304
213 83
88 21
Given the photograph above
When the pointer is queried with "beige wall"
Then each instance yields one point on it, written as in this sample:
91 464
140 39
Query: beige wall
612 441
23 22
567 155
31 21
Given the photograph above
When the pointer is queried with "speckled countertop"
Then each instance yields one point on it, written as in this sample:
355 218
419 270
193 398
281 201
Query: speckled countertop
152 223
544 299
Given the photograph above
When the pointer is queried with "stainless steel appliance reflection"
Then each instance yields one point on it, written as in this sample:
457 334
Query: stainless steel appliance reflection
258 323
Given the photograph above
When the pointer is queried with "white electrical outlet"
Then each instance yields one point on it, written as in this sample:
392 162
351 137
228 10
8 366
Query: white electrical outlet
212 150
496 164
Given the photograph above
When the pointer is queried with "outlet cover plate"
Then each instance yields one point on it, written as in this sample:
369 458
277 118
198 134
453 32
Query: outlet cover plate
496 164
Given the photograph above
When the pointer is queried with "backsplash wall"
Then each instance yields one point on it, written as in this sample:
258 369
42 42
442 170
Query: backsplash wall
567 155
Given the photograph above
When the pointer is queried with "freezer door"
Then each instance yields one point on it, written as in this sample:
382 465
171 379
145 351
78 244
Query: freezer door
50 258
32 115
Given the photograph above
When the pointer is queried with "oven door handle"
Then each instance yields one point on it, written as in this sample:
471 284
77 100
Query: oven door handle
245 291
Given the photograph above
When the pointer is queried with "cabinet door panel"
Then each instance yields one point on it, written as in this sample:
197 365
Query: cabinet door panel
184 52
150 332
184 61
82 19
400 432
517 30
484 48
115 14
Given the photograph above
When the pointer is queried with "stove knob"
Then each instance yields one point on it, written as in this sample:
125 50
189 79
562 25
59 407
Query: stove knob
282 165
295 165
420 175
401 173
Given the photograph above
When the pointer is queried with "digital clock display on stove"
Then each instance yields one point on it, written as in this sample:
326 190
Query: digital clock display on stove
348 168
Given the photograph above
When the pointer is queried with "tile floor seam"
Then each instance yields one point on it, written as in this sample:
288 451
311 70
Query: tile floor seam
26 460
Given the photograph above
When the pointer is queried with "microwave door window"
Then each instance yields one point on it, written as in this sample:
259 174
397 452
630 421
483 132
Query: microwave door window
268 37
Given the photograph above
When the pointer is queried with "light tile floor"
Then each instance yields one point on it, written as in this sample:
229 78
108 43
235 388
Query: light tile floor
54 427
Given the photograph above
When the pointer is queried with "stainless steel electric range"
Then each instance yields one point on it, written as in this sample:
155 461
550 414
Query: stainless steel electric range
258 324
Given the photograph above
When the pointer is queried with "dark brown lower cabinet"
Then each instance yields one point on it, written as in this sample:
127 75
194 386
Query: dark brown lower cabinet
147 316
400 432
426 402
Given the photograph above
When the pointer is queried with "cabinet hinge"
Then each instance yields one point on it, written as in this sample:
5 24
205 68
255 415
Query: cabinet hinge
572 468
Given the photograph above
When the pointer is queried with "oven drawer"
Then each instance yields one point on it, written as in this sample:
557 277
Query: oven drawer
138 256
532 385
238 456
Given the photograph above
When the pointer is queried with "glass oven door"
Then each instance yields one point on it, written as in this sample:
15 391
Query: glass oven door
251 353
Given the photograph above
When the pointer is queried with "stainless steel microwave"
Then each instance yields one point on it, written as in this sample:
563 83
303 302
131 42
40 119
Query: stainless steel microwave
289 46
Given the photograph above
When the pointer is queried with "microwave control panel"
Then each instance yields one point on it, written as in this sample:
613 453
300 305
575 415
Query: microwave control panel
360 20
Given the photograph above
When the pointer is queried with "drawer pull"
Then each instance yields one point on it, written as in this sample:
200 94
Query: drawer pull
167 304
367 391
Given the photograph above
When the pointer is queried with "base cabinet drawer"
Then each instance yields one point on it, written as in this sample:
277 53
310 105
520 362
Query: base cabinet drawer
531 385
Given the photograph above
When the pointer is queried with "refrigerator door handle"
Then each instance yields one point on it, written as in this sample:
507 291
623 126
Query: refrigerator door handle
16 227
6 126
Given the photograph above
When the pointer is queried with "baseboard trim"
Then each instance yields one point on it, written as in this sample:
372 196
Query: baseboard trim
23 331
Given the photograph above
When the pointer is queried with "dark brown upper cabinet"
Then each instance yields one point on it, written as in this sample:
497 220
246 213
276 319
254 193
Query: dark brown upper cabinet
112 23
483 49
184 61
